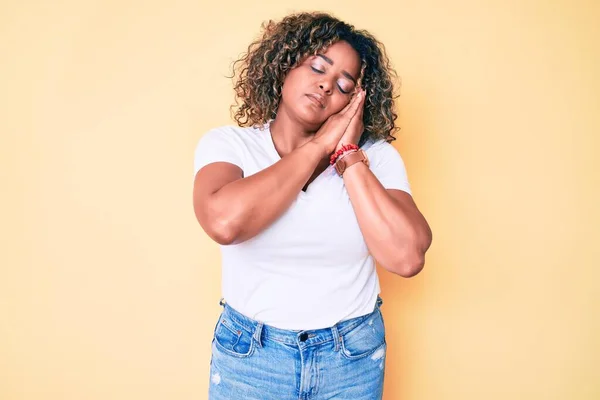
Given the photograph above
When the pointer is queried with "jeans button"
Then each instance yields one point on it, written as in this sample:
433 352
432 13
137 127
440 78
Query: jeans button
303 336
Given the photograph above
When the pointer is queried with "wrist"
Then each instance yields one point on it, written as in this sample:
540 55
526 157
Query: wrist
340 144
350 159
342 151
318 148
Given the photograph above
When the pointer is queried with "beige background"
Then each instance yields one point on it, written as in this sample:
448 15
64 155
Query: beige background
109 288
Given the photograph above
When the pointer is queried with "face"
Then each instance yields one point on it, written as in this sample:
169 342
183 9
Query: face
320 85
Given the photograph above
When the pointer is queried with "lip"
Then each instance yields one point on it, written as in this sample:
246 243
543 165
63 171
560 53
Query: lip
317 99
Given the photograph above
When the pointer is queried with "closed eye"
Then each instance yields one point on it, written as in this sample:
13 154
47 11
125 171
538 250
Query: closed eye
318 71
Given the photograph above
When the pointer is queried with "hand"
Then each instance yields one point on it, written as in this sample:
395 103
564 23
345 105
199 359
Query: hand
334 128
356 127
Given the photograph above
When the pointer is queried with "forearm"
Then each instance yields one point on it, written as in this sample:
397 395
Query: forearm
396 234
249 205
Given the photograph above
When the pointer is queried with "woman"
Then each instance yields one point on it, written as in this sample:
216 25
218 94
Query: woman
303 196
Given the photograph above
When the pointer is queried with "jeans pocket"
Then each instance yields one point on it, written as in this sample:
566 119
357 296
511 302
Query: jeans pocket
231 337
364 339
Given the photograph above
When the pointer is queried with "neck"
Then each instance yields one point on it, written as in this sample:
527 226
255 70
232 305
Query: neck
288 133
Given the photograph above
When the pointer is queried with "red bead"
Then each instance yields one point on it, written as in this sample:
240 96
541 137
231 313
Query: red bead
344 149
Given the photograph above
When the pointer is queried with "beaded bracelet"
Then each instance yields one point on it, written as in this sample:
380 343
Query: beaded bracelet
345 148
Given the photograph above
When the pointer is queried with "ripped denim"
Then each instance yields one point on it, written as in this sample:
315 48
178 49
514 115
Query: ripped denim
254 361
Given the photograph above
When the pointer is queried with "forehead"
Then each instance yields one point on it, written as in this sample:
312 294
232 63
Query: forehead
344 57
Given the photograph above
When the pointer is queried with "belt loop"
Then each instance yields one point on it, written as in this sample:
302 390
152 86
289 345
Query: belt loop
336 337
257 333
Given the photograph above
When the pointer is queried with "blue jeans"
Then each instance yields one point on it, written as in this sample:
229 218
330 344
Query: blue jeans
254 361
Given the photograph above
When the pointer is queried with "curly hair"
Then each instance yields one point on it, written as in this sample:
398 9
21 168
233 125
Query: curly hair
260 72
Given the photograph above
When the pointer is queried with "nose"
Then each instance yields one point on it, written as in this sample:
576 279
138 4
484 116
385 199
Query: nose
326 86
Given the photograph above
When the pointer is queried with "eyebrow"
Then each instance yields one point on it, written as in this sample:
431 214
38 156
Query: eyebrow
330 62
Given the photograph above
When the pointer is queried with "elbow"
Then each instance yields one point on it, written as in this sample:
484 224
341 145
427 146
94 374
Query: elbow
223 235
407 265
223 231
413 261
216 225
408 269
409 260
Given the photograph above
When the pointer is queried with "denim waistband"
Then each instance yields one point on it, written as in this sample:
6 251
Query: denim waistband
261 331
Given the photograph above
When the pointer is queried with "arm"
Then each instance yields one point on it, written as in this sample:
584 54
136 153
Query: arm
232 209
395 231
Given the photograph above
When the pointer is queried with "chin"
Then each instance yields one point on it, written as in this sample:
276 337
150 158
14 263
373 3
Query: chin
312 118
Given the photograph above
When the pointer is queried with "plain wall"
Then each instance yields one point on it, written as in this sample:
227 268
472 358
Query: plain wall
109 288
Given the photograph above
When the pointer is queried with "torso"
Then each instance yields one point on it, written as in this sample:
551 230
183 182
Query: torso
323 165
313 254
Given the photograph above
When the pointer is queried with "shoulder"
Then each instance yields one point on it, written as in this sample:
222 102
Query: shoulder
229 143
375 144
234 131
222 143
380 149
383 156
387 165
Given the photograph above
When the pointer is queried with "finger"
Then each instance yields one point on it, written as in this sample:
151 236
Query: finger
358 116
355 105
347 107
363 100
353 116
350 103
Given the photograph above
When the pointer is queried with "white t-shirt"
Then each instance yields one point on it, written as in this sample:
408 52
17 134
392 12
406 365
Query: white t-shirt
311 268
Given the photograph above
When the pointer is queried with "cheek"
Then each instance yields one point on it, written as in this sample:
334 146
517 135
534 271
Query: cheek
293 80
339 103
288 86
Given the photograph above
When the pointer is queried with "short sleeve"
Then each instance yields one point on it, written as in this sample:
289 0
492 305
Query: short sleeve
387 165
219 144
